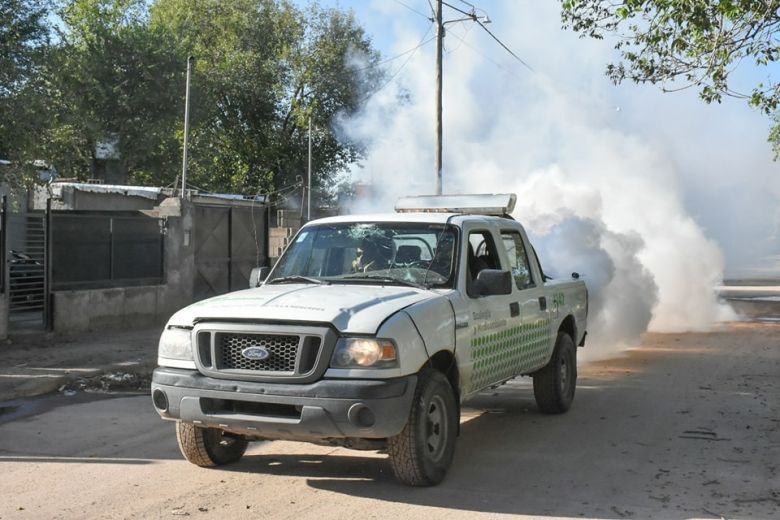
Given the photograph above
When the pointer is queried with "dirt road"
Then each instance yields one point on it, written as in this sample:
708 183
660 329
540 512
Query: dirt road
688 426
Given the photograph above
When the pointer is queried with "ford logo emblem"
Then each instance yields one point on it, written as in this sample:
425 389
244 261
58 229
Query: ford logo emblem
255 353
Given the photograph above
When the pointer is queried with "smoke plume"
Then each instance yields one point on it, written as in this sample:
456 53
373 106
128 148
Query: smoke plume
630 188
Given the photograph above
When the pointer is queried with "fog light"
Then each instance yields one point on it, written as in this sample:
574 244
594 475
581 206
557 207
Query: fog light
361 415
160 400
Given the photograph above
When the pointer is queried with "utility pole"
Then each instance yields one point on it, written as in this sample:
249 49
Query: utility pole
470 16
308 192
439 43
190 59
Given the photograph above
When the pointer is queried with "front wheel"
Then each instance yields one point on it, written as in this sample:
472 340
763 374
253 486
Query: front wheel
422 453
208 447
554 384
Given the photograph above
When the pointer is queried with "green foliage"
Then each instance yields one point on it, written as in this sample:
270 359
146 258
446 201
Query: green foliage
23 40
113 77
263 68
116 72
679 44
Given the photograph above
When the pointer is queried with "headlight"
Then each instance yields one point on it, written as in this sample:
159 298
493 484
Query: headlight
176 343
364 353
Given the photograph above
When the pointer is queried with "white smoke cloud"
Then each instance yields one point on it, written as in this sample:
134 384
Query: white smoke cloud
633 199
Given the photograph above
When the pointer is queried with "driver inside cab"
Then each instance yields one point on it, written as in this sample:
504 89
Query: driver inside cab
372 257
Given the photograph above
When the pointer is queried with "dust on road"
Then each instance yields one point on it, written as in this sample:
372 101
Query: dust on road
687 426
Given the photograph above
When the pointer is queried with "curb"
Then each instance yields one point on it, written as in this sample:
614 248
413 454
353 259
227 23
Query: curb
19 383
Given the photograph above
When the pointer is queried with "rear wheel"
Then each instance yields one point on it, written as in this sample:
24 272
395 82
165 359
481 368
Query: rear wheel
208 447
422 453
554 384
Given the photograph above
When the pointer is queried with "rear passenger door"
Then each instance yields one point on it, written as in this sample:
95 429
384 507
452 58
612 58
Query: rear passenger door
534 338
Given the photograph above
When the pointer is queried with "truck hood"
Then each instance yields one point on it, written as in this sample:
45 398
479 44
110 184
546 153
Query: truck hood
358 309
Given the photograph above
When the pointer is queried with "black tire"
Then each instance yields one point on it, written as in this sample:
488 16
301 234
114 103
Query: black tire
208 447
422 453
554 385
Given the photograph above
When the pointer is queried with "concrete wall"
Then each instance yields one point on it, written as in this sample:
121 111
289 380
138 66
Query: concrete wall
126 307
112 198
85 201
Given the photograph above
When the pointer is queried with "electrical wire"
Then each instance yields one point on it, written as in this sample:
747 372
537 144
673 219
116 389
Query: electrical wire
461 38
423 42
412 9
485 56
518 58
461 11
401 55
473 16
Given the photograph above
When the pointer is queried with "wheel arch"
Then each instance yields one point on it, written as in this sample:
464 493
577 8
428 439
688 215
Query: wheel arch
569 326
444 361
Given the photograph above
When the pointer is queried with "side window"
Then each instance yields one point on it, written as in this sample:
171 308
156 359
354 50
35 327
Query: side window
518 259
481 255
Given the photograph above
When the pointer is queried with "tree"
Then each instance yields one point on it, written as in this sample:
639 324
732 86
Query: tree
115 74
263 68
113 78
23 41
679 44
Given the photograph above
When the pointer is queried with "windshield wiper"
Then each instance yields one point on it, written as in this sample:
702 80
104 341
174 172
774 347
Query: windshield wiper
380 278
297 278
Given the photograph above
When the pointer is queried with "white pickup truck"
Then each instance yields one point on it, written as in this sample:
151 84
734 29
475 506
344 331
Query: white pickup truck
369 332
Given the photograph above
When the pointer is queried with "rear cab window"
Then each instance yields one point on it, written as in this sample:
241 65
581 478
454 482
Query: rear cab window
518 259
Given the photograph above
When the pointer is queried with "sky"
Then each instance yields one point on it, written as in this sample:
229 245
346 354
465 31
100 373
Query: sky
654 198
718 159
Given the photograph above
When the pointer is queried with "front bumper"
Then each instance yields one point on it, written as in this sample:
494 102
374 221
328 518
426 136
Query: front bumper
327 409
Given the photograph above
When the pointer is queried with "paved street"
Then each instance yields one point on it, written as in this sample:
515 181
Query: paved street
688 426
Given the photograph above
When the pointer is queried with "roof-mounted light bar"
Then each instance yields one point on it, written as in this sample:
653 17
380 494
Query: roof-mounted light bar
480 204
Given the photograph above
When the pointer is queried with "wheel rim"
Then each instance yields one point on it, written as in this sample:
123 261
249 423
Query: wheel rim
435 428
565 376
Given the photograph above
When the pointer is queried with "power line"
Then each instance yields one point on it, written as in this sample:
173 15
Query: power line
423 42
460 38
473 7
504 46
482 54
400 55
412 9
473 16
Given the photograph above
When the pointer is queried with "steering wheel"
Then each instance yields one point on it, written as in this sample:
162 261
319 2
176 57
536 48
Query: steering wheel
420 264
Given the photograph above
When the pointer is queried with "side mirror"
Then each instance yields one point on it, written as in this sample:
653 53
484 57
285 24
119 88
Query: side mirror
492 282
258 276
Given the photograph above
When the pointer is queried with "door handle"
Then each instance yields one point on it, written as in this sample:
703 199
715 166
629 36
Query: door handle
514 309
542 303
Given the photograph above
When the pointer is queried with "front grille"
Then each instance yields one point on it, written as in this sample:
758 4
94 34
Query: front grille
296 353
282 350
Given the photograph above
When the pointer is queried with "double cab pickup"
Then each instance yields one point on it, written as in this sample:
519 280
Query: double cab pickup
369 333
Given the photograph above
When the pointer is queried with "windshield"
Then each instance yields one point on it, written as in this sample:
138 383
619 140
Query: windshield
387 252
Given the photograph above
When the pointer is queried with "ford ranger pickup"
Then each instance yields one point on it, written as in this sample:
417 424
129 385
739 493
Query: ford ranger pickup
369 332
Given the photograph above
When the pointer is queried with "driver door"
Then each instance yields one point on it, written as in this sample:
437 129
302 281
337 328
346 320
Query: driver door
494 320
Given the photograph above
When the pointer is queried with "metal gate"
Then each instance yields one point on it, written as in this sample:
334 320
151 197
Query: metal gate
26 272
212 251
229 242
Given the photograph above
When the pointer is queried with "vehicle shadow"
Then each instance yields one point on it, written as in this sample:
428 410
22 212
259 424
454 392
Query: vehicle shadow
596 461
